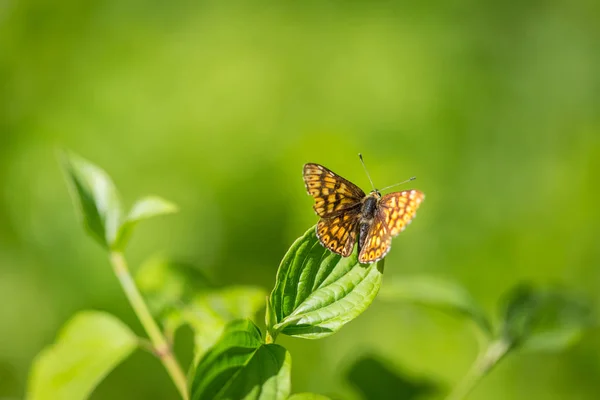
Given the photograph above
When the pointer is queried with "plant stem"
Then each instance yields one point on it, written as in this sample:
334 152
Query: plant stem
268 338
161 347
482 365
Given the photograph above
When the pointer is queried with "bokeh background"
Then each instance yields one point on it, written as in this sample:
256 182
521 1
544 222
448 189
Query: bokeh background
216 105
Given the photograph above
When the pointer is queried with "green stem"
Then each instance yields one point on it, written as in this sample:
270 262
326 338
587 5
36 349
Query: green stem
480 368
268 338
161 347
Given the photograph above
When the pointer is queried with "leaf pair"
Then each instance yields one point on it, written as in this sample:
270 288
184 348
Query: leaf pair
241 366
100 207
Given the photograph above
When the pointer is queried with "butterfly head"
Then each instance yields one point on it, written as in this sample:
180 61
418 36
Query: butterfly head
375 193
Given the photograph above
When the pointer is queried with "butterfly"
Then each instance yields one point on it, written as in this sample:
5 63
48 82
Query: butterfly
349 216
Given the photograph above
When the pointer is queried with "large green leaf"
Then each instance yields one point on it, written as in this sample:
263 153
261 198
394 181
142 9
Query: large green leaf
90 345
438 293
317 292
545 319
144 208
241 366
95 196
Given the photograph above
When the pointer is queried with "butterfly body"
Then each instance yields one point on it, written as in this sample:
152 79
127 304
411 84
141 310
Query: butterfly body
349 216
367 216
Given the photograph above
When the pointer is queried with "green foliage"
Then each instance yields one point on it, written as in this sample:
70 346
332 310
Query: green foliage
208 313
241 366
167 284
534 318
142 209
89 346
317 292
543 319
375 379
179 294
99 206
96 197
437 293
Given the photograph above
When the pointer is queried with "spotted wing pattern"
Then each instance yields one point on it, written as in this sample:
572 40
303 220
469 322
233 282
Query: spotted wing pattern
338 233
399 208
378 242
394 212
333 194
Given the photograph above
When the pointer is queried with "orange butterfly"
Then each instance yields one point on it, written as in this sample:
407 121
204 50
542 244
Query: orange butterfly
347 213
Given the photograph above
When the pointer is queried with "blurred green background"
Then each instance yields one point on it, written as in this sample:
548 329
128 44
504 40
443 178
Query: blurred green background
216 105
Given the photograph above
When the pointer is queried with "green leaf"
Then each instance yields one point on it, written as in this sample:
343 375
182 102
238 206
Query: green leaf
179 294
210 312
317 292
89 346
438 293
374 379
95 196
144 208
543 319
240 366
308 396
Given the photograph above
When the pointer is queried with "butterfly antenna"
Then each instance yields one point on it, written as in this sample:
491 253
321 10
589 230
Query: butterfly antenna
367 172
412 178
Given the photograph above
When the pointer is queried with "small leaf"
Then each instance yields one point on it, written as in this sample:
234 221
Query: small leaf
168 284
375 380
179 294
144 208
317 292
240 366
210 312
89 346
308 396
438 293
544 319
95 196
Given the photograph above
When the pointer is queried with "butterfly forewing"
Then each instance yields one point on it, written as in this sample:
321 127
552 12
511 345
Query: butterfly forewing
394 212
398 209
338 233
333 194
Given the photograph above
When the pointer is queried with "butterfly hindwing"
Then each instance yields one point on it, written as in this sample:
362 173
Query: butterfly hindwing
338 233
378 242
333 194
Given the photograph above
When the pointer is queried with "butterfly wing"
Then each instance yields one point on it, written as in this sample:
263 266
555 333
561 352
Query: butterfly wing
378 242
395 211
398 209
333 194
338 233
